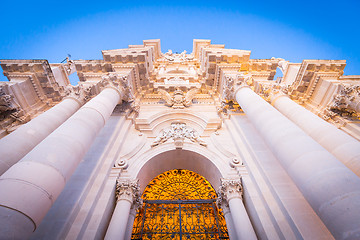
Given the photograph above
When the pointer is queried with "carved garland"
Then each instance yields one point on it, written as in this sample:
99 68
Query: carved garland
178 132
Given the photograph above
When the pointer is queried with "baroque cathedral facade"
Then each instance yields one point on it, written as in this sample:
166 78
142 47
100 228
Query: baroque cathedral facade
152 145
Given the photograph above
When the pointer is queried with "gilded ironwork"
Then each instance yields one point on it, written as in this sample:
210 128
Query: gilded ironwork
179 204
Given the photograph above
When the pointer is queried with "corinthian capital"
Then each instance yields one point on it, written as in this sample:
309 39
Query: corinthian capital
120 82
229 189
78 93
128 190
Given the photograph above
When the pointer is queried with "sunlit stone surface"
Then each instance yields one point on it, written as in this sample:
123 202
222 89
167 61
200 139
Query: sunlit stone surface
271 158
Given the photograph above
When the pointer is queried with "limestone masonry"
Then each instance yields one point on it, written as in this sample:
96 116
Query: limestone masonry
283 155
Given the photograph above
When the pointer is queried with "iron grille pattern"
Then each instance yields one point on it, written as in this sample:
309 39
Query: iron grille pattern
179 204
180 219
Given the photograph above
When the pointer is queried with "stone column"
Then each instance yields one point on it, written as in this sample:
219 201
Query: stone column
341 145
228 218
127 195
329 186
30 187
130 224
17 144
230 194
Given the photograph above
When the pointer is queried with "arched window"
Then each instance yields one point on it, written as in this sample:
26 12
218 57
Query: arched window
179 204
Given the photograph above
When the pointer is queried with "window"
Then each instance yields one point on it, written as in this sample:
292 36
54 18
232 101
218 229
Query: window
179 204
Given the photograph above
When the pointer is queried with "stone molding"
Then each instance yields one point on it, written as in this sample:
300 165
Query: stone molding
128 190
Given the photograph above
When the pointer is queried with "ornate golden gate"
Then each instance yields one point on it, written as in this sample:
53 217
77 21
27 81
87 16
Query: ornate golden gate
179 204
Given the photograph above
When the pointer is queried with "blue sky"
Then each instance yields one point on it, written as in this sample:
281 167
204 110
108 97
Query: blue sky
294 30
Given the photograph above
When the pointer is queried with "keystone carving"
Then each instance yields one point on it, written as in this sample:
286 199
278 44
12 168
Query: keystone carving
178 132
128 190
178 99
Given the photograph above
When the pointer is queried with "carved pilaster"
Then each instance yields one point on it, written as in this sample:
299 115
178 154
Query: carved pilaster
229 189
228 88
129 190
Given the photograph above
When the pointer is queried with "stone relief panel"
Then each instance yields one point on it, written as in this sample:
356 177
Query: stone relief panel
347 101
178 99
178 131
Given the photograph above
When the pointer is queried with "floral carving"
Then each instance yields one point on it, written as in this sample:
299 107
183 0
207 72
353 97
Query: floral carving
7 106
128 190
79 92
228 88
347 101
229 189
120 82
178 132
6 103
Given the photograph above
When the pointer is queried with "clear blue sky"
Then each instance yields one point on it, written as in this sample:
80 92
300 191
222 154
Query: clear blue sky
294 30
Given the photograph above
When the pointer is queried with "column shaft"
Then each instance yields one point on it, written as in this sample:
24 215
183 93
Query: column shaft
119 221
130 224
243 227
31 186
341 145
330 187
229 223
17 144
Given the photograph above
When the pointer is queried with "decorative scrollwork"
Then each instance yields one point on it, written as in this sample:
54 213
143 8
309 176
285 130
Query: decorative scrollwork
178 132
6 102
346 102
179 203
121 83
179 184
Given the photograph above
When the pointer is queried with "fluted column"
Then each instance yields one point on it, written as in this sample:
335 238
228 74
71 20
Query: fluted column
341 145
30 187
329 186
230 193
127 195
17 144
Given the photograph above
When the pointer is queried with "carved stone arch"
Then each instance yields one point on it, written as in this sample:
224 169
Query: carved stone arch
165 157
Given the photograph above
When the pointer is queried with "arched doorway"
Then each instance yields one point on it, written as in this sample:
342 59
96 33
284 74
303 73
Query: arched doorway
179 204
